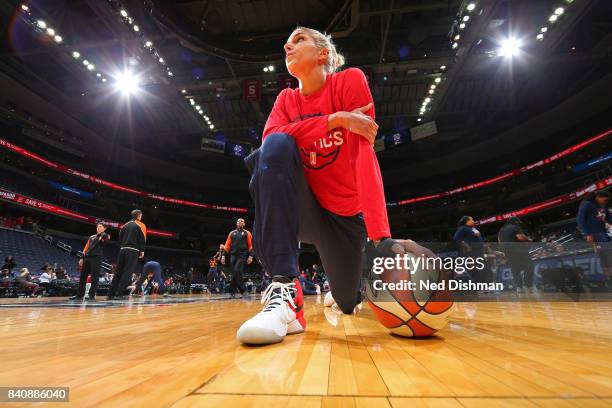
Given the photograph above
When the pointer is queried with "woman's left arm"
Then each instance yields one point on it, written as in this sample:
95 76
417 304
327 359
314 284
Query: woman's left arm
356 93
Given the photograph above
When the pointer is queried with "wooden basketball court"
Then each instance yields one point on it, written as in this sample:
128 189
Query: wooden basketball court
522 354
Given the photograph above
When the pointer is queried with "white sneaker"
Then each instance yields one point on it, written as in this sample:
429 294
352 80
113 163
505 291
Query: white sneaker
277 318
329 300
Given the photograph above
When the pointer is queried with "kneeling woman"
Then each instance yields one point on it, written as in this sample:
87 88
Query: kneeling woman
315 179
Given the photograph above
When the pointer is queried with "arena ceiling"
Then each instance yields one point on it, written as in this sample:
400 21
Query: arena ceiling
214 46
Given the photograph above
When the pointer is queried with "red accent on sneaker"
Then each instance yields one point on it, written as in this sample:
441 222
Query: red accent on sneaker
299 303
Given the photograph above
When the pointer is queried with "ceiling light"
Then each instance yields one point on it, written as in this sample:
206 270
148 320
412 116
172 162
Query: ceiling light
271 68
438 80
58 39
103 79
540 37
76 54
41 24
431 91
466 18
148 44
433 87
543 29
85 62
123 13
419 119
212 126
471 7
24 7
136 28
197 107
170 73
559 11
553 18
161 60
183 91
98 75
50 31
427 100
462 26
91 67
509 48
455 45
457 37
127 83
442 67
265 69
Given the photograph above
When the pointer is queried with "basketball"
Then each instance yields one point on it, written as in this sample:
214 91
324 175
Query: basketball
419 312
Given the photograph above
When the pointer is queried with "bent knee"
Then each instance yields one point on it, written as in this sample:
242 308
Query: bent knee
278 148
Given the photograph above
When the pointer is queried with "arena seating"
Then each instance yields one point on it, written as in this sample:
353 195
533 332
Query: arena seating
32 252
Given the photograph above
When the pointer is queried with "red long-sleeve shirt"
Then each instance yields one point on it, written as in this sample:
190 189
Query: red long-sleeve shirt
341 167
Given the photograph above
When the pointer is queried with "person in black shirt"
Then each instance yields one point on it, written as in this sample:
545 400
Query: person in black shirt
9 263
470 243
132 239
91 262
510 236
239 246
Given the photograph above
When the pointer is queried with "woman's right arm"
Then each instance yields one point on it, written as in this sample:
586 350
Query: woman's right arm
309 130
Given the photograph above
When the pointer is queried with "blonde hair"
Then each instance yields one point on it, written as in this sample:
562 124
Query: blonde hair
322 40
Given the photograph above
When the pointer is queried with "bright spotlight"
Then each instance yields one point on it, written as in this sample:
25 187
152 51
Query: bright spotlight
271 68
91 67
198 107
161 60
438 80
442 67
553 18
41 24
419 119
123 13
76 54
543 29
212 126
127 83
191 101
427 100
462 26
183 91
85 62
265 69
170 73
24 7
50 31
559 11
136 28
540 37
58 39
99 75
148 44
103 79
471 7
455 45
509 48
466 18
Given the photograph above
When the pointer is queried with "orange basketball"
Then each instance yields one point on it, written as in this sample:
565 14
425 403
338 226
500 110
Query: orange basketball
410 310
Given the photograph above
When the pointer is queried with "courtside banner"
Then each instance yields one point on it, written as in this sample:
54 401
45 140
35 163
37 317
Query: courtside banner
566 198
507 175
96 180
11 197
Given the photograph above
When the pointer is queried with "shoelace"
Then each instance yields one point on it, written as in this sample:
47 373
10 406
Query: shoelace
276 293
